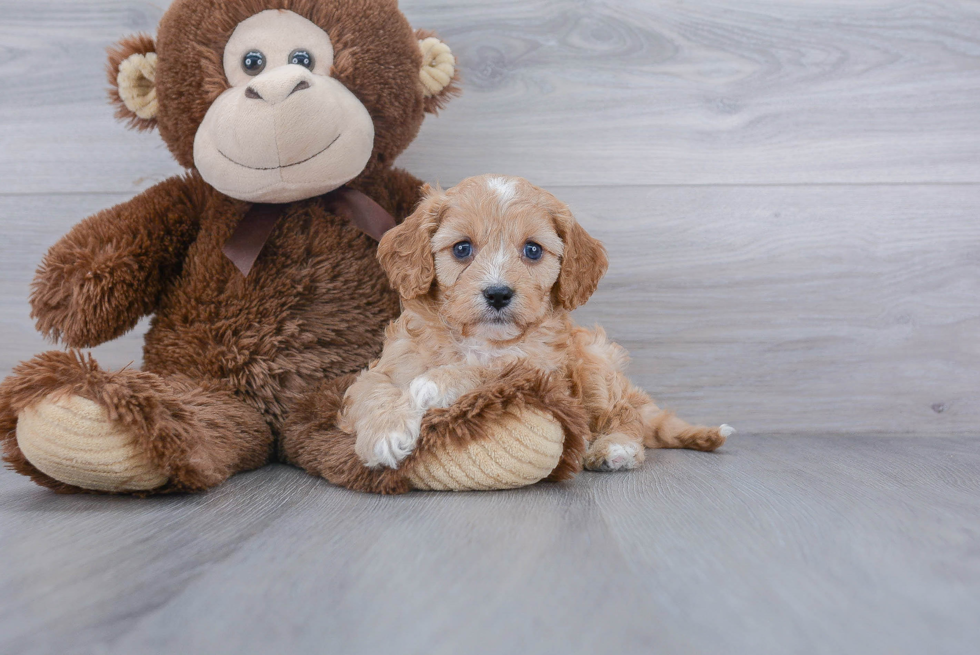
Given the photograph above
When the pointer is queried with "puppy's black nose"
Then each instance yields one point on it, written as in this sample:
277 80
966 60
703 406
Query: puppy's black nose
498 297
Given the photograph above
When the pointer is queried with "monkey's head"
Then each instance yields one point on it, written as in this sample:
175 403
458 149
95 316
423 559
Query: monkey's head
281 100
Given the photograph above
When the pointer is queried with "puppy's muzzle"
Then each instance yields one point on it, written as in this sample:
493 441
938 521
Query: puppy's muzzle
498 297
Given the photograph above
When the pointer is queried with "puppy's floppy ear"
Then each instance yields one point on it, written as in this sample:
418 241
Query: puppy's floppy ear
439 74
132 79
583 263
405 252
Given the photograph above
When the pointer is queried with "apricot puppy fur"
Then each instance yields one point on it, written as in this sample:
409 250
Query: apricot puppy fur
488 273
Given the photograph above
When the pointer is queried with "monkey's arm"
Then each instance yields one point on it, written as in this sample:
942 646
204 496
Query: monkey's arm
109 270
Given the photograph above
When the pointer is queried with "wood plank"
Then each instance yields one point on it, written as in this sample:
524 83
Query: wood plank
789 310
810 545
780 310
708 92
573 93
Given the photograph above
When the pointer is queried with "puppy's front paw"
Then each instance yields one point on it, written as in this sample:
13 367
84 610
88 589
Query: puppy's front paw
395 446
606 455
427 395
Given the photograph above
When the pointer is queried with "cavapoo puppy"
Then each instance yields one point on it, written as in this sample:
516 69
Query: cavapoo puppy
488 272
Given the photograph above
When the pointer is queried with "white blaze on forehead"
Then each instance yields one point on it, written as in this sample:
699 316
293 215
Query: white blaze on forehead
505 189
495 267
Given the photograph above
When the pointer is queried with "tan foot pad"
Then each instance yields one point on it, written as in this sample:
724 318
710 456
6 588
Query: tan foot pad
525 448
72 440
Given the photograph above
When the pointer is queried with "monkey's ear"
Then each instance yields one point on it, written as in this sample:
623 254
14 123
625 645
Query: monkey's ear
405 252
439 76
132 81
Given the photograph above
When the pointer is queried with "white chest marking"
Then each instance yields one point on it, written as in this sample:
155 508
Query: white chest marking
480 353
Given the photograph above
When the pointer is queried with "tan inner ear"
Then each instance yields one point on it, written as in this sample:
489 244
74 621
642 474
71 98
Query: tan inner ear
136 82
438 65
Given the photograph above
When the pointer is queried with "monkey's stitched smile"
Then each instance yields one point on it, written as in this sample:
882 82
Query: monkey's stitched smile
276 168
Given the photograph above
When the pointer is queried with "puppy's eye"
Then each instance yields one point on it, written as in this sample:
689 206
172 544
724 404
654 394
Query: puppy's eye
533 251
253 62
462 250
301 58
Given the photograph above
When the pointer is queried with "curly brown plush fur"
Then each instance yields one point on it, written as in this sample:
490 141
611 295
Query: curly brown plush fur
198 433
227 356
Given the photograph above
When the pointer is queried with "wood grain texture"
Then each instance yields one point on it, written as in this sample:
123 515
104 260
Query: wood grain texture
576 92
789 310
709 92
810 545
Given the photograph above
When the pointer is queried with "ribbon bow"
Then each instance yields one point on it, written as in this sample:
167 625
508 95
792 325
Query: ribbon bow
245 244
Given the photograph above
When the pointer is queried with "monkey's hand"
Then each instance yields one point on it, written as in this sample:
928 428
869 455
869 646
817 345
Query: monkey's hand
102 277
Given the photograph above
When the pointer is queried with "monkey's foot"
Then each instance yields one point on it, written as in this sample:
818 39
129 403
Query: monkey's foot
72 439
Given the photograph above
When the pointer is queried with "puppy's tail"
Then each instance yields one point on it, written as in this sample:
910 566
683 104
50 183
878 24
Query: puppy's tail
665 430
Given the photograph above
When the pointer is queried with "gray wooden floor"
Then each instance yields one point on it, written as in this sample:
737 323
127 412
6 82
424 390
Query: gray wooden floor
790 193
809 545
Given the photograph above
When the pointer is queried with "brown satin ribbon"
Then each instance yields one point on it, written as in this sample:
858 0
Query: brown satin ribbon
245 244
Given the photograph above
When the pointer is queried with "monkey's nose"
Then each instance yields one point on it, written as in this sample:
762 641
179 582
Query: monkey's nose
274 87
498 297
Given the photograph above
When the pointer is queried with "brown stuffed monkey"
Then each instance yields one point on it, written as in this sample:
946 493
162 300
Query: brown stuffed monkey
258 266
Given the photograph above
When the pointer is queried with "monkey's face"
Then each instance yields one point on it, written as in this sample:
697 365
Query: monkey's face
282 100
285 130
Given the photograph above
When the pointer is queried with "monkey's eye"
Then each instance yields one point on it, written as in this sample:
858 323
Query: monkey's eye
253 62
533 251
462 250
302 58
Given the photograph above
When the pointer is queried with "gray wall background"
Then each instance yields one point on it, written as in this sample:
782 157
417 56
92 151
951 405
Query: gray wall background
790 191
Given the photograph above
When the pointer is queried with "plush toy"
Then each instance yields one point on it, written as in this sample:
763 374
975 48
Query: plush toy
259 265
523 428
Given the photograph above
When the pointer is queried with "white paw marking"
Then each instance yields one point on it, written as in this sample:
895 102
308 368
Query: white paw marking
396 446
425 393
726 430
621 456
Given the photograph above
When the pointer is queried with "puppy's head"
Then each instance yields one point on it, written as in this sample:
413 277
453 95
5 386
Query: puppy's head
496 253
